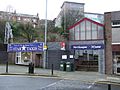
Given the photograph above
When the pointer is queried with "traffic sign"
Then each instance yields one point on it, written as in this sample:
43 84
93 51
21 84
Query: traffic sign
45 47
26 47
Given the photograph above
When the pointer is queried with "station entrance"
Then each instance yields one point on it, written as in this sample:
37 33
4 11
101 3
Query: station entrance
89 55
87 60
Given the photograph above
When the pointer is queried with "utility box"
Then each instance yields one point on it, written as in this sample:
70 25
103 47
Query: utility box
62 66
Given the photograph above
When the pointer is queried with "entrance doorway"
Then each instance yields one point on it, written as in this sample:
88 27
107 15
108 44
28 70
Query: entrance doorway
116 63
87 60
38 62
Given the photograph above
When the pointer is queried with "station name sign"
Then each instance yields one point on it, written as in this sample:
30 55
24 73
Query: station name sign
88 47
27 47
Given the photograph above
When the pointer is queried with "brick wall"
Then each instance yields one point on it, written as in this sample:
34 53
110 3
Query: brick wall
116 47
108 41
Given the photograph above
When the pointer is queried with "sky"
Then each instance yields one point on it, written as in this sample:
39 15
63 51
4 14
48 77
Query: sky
33 7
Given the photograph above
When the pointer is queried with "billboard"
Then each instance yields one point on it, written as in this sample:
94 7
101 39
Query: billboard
26 47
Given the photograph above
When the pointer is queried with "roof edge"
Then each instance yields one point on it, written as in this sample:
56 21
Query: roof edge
83 20
71 2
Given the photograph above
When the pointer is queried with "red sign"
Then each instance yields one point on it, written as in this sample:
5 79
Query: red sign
62 44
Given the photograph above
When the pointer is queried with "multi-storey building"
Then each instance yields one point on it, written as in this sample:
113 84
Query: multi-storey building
114 28
24 18
17 58
70 13
95 16
86 36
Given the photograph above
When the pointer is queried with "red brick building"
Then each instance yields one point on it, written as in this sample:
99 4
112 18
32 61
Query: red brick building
112 38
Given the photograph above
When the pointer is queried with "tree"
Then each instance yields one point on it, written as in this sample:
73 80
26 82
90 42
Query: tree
53 33
24 32
69 18
64 32
2 28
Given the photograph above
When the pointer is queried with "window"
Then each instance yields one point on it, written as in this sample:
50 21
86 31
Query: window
34 20
26 19
18 57
94 31
100 32
82 30
88 30
87 54
18 18
77 33
116 22
72 34
34 25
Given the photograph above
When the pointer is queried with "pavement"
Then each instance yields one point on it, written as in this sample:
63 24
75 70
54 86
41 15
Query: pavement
88 76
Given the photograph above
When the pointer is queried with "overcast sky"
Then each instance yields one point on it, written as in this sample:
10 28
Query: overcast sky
38 6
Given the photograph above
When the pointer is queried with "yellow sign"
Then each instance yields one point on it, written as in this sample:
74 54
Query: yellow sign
45 47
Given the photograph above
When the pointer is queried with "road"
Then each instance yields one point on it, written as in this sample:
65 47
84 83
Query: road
45 83
24 82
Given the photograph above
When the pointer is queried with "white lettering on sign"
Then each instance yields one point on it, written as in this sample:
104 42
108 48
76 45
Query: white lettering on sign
31 48
81 47
95 46
17 48
25 47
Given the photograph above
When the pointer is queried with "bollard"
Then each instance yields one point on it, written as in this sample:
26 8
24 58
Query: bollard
7 67
52 69
109 86
31 68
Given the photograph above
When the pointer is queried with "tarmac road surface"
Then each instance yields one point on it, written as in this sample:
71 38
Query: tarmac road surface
48 83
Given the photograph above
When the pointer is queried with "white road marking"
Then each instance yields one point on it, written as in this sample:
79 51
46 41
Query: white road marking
91 85
51 84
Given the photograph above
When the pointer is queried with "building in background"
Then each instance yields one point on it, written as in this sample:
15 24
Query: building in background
72 12
21 57
115 40
112 41
24 18
85 30
69 14
95 17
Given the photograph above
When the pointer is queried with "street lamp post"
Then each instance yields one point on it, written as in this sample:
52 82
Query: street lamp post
8 38
45 43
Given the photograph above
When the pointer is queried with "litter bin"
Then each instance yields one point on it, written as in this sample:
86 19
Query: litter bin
31 68
69 66
62 66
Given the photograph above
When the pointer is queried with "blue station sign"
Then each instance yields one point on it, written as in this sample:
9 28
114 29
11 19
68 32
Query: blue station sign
88 47
27 47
